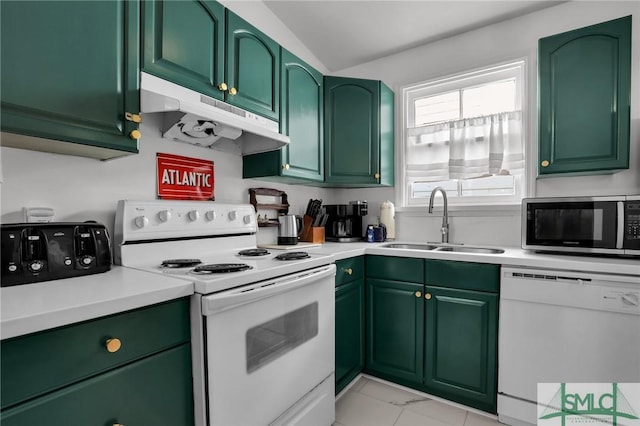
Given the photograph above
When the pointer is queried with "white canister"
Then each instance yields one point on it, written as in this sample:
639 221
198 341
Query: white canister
388 218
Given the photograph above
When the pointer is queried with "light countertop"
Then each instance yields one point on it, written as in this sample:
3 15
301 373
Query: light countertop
40 306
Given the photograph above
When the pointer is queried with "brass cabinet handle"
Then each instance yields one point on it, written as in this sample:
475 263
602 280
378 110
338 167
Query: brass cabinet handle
418 294
377 176
545 163
135 134
427 296
222 87
118 424
286 166
113 345
233 91
132 117
349 271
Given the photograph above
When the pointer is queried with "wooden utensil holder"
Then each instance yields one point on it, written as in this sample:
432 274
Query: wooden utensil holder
311 234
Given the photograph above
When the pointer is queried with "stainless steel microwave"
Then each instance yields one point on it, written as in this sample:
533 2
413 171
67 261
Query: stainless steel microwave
599 225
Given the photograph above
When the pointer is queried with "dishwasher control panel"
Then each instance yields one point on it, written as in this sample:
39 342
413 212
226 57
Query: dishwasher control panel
621 299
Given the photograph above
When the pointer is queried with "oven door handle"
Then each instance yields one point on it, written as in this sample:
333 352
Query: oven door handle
219 302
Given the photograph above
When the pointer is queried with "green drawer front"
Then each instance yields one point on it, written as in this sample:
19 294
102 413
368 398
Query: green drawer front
463 275
395 268
349 270
153 391
41 362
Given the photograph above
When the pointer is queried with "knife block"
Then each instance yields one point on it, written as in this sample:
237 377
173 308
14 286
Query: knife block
311 234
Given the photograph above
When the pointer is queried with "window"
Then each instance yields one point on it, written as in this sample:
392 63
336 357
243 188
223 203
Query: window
465 134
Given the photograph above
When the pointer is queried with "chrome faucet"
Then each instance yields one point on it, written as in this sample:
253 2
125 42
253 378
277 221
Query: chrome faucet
445 215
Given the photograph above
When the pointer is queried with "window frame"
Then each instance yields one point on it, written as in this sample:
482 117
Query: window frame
483 205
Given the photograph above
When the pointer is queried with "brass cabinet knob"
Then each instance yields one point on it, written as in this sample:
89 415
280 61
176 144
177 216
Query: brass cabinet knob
349 271
135 134
132 117
113 345
427 296
286 166
222 86
233 91
377 176
545 163
418 294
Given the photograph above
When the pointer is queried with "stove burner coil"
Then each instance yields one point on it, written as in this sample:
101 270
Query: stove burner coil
254 252
180 263
217 268
294 255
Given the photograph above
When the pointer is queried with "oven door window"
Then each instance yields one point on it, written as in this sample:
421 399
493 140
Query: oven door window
272 339
584 224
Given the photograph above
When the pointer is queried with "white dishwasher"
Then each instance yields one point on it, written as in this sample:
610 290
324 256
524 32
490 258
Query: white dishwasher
563 327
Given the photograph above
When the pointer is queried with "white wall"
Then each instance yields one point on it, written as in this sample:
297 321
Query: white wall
516 38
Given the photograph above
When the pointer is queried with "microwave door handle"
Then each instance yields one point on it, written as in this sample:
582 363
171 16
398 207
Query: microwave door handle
620 236
220 302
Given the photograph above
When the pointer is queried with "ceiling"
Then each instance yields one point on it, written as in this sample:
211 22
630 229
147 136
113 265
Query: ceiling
342 34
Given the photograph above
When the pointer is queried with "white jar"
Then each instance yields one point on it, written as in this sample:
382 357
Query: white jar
388 218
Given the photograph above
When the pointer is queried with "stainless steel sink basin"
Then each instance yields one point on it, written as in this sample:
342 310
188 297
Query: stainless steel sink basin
460 249
409 246
453 248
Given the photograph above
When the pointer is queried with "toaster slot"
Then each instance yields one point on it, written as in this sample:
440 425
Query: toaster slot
85 248
34 251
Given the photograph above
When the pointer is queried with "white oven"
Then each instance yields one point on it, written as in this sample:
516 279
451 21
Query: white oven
267 344
262 323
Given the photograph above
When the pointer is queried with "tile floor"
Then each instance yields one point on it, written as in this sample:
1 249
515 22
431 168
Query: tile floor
369 402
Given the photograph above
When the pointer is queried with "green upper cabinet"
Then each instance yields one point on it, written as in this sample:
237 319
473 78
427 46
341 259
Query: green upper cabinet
183 42
203 46
301 119
253 68
584 99
69 76
358 132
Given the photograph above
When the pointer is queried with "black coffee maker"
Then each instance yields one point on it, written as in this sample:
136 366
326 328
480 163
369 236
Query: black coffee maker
345 221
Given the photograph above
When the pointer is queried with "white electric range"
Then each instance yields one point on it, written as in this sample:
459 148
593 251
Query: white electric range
262 321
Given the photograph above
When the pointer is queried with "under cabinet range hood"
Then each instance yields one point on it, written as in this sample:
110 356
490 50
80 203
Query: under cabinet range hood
191 117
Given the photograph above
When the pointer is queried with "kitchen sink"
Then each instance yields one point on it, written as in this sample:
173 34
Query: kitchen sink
460 249
409 246
452 248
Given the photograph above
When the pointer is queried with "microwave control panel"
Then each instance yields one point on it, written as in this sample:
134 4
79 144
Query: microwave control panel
632 225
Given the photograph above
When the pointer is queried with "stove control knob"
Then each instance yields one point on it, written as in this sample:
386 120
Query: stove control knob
193 215
141 221
164 216
232 215
247 219
210 215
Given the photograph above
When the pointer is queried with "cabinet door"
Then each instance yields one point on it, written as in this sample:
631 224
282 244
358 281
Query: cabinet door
585 88
154 391
349 332
460 346
253 68
352 130
183 42
394 330
301 118
69 73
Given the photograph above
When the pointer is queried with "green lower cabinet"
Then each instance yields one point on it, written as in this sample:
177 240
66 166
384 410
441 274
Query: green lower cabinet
460 346
394 330
349 332
153 391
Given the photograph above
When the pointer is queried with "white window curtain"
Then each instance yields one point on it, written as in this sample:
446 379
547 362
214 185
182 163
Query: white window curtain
466 148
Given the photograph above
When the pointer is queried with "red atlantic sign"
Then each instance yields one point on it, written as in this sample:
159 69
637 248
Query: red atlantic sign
184 178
